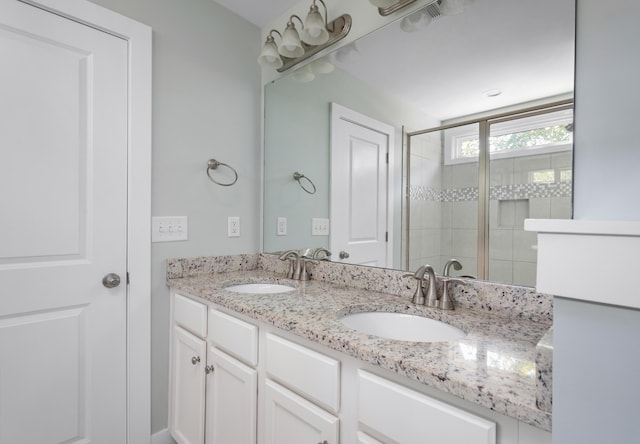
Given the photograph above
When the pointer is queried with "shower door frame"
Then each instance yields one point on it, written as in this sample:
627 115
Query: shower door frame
484 159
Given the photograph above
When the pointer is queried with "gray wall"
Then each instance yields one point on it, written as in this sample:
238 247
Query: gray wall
607 158
596 359
206 104
596 364
297 129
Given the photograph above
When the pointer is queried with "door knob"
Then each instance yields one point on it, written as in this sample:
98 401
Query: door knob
195 360
111 280
343 255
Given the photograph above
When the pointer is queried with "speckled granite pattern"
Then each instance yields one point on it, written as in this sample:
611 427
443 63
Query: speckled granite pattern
507 300
544 372
493 366
194 266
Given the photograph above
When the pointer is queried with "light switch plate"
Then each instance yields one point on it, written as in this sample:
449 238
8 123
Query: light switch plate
169 229
319 226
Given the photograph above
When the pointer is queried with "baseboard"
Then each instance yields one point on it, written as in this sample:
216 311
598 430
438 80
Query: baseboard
162 437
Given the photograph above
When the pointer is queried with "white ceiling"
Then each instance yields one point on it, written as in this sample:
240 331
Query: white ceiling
522 47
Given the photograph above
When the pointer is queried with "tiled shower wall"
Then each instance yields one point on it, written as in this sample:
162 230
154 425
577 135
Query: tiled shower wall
425 213
444 209
520 190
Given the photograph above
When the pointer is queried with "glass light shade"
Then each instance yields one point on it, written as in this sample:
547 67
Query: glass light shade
269 56
383 3
321 66
291 46
315 31
304 74
452 7
415 21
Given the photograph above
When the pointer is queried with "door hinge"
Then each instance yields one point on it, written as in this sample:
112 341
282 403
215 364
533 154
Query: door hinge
387 157
128 278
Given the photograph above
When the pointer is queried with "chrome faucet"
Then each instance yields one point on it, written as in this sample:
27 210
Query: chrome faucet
446 302
321 254
456 266
297 265
425 296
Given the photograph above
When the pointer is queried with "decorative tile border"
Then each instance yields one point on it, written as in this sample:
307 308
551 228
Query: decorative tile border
502 192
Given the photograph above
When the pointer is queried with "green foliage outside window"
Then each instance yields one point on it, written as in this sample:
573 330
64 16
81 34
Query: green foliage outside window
550 135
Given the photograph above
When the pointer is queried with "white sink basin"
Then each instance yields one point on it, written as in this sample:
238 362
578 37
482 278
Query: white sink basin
403 327
260 288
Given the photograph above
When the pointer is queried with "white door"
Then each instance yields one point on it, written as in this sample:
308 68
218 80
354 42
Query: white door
63 195
232 400
290 419
361 205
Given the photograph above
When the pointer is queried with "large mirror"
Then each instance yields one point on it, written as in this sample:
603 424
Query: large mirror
412 145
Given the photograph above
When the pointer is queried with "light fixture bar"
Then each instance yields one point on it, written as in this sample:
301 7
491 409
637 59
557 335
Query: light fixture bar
338 29
395 7
398 6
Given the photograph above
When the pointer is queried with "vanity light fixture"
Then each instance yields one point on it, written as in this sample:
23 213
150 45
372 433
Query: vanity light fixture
291 46
439 7
317 34
315 30
388 7
270 55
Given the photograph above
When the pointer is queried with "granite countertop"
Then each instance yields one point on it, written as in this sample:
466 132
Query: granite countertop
493 366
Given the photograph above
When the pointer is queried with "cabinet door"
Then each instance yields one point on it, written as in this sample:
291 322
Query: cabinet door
408 417
232 391
289 419
363 438
187 387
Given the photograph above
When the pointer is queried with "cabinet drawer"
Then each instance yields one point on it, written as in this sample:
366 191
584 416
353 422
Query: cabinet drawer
236 337
190 315
406 416
307 372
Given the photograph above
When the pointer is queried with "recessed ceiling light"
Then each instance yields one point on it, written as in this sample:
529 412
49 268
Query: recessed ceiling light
492 93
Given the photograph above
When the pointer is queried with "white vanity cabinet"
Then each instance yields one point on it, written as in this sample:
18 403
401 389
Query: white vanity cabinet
243 382
188 361
305 411
231 401
232 384
213 395
405 416
291 419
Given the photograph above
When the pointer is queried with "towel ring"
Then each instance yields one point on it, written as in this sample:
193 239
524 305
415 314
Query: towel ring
214 164
298 177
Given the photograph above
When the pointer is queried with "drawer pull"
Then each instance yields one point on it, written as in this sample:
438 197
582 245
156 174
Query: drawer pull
195 360
324 442
209 369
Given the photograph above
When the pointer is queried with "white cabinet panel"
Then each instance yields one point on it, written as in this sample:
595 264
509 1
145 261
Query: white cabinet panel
191 315
363 438
531 435
289 419
306 371
232 391
237 337
409 417
187 387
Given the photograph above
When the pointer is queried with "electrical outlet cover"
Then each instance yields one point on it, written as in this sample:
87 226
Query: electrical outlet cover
233 226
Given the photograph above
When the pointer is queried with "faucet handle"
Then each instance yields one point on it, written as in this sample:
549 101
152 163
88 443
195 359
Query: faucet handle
446 301
418 296
304 274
